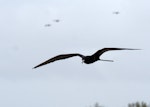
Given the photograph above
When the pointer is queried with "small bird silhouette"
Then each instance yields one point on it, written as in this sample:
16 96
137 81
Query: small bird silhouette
47 25
116 12
85 59
56 20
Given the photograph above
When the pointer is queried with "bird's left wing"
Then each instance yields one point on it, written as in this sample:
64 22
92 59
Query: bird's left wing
59 57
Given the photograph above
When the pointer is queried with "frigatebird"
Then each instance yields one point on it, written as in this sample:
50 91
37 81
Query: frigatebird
116 12
47 25
57 20
85 59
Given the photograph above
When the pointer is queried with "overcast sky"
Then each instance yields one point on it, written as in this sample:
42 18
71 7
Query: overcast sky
85 26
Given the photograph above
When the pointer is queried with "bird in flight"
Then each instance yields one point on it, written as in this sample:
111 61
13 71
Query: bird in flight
116 12
85 59
56 20
47 25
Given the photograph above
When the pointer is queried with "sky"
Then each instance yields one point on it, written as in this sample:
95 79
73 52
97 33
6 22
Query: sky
85 26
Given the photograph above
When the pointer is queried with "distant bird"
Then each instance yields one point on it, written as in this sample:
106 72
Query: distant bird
116 12
86 59
47 25
56 20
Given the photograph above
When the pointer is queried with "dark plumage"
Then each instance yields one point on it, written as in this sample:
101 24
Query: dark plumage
86 59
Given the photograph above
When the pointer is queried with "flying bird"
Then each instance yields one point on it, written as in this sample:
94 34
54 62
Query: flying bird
85 59
116 12
47 25
56 20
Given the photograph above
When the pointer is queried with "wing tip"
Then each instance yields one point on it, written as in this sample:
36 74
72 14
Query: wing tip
131 49
34 67
121 48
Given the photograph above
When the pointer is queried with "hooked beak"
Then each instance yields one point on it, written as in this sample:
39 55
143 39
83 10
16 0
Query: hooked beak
82 61
106 60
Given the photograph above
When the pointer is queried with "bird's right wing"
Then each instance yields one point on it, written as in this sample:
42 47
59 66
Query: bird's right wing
59 57
100 52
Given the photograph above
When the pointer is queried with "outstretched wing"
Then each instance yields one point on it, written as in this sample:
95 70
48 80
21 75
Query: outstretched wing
100 52
59 57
